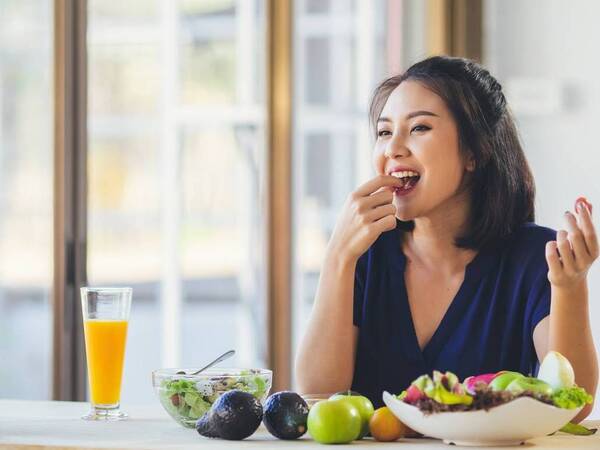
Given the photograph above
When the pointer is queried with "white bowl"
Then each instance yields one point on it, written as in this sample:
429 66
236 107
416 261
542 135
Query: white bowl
509 424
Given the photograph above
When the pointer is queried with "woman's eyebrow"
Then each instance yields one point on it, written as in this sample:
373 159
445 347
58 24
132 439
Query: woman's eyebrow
420 113
410 115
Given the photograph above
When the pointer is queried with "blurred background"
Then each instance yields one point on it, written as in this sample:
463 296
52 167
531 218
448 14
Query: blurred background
178 151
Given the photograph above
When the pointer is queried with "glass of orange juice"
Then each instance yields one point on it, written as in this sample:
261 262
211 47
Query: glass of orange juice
105 319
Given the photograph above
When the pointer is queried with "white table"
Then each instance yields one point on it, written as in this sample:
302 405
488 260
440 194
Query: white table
28 425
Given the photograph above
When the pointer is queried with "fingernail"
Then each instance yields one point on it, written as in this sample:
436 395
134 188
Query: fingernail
567 213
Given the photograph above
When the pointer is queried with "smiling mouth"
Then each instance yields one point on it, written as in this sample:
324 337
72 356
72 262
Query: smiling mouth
409 180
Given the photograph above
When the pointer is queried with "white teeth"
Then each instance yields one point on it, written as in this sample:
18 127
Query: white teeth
404 174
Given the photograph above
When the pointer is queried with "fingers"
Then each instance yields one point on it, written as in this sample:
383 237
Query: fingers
588 230
380 212
378 199
573 252
584 201
564 250
386 223
577 240
374 184
554 264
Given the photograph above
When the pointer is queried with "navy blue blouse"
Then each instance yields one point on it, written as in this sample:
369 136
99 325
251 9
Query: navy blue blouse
488 327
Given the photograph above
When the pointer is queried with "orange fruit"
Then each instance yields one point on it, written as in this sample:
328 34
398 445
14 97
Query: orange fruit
385 427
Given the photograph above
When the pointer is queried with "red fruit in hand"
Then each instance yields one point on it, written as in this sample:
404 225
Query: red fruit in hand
583 200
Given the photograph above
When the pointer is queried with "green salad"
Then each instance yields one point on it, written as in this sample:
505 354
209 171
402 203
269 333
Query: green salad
571 397
187 400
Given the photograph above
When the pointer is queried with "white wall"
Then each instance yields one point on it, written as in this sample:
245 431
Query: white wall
545 54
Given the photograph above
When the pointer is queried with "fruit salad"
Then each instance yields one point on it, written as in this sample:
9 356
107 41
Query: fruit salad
555 385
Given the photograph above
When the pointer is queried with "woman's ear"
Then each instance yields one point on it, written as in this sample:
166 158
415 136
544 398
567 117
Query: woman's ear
470 166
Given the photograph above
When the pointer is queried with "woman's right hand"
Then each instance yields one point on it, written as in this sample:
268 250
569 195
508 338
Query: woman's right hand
367 213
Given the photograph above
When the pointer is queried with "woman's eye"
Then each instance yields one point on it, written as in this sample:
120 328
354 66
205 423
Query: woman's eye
381 133
420 128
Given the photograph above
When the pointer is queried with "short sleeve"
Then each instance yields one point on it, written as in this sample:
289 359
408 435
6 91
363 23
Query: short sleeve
539 300
360 280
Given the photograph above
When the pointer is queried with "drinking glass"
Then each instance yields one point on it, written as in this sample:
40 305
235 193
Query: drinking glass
105 320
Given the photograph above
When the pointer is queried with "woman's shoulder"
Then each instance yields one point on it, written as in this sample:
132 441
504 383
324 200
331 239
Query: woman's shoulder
526 250
531 236
534 232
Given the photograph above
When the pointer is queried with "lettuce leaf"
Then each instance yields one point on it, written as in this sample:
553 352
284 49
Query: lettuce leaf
571 397
577 429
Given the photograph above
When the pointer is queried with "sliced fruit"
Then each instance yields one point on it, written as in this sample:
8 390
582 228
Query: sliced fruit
471 382
501 382
447 390
557 371
413 394
523 384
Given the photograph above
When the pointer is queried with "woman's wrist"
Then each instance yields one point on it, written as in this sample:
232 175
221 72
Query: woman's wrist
576 288
570 298
339 258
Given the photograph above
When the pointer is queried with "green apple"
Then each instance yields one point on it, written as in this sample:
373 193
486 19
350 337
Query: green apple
557 371
502 381
519 385
334 422
362 403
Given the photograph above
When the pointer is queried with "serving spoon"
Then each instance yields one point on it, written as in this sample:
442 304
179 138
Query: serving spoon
223 357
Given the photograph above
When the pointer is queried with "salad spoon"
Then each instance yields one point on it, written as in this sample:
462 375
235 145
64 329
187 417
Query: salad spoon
223 357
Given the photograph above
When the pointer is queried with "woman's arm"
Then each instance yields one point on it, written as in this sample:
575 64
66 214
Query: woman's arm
567 329
325 360
570 333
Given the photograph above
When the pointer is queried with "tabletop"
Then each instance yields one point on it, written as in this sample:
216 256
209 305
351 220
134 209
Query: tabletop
28 425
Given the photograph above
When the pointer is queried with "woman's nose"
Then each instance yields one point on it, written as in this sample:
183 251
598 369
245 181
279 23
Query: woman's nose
395 148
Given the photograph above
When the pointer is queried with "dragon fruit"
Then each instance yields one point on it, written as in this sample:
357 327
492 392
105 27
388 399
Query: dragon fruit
472 381
443 388
448 390
416 391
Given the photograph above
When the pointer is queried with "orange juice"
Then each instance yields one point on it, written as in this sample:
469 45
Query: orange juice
105 349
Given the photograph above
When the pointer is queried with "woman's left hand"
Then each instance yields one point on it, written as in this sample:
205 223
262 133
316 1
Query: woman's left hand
571 255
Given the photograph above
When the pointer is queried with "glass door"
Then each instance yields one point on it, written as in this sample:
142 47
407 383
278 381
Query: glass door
176 168
26 181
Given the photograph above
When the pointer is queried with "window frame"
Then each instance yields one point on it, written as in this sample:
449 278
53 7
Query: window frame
454 29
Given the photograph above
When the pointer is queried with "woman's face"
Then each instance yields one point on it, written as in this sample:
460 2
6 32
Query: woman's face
417 132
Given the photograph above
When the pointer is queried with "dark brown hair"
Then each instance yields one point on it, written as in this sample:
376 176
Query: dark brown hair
502 189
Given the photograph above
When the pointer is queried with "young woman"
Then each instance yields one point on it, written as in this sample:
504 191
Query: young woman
437 263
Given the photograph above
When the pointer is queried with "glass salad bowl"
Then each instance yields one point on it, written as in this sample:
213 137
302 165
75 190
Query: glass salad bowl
187 397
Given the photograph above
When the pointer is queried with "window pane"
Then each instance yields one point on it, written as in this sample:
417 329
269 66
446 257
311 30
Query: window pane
176 176
26 185
342 50
552 88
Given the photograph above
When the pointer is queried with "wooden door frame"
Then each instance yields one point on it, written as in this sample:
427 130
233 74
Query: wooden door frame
279 190
454 27
70 193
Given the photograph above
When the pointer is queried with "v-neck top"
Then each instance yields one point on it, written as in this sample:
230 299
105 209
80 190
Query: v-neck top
487 327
